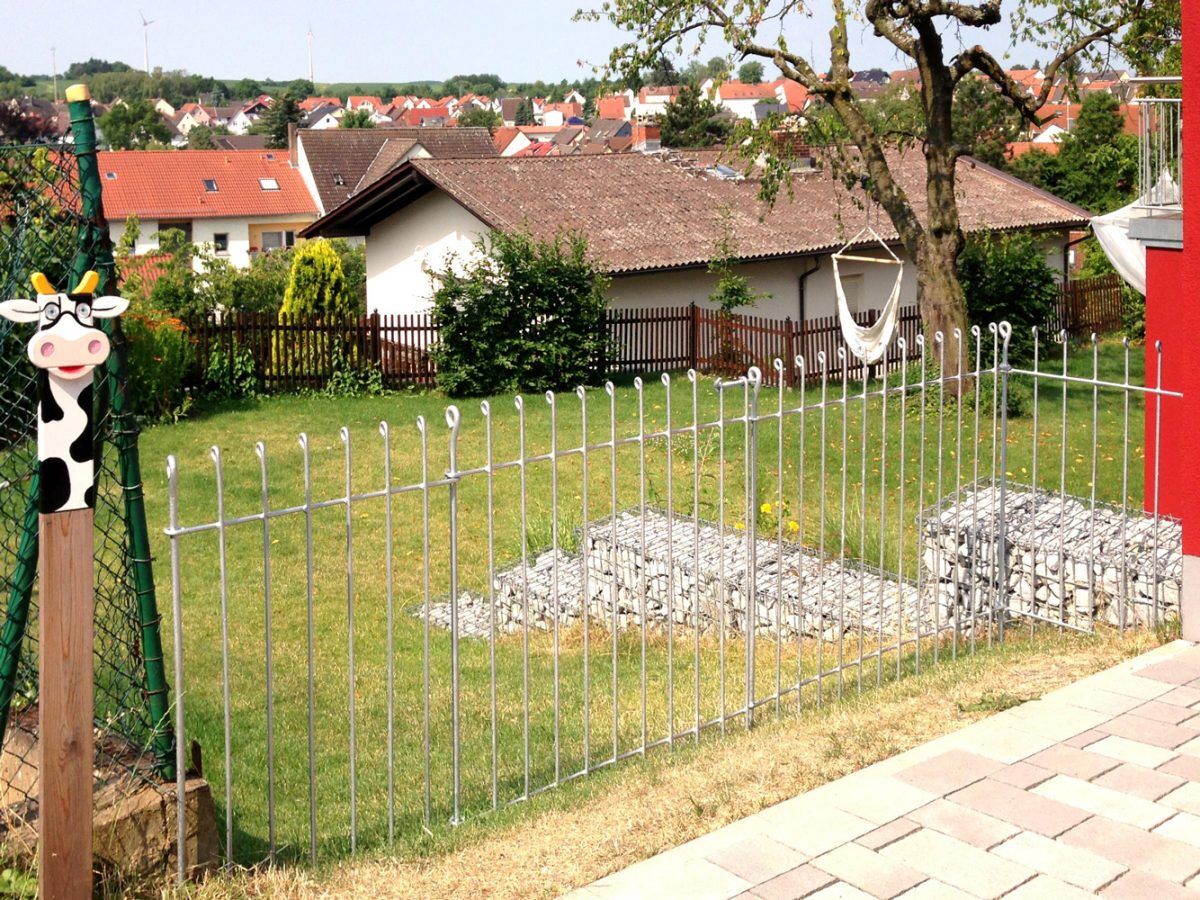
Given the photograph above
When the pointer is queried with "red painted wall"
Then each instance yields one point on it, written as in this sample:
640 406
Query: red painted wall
1173 317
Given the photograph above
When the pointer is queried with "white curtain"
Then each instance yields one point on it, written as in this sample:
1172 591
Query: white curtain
1127 255
869 344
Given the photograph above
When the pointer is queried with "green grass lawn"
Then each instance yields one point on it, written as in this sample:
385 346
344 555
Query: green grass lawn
670 667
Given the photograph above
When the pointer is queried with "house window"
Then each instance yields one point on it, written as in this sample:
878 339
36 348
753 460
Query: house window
221 243
210 185
184 225
278 240
110 176
268 184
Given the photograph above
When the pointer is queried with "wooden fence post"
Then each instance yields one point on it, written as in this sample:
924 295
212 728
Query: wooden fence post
789 349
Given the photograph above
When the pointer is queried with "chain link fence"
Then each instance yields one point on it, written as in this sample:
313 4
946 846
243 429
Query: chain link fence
45 227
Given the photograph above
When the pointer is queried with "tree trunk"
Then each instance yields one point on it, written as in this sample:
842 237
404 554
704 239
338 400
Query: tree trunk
939 292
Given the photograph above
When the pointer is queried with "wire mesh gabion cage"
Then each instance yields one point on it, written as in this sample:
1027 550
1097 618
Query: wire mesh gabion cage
44 228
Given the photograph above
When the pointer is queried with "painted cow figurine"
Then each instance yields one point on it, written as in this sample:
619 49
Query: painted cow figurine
66 348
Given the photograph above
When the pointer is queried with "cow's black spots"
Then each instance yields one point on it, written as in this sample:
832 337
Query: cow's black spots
55 484
81 447
49 409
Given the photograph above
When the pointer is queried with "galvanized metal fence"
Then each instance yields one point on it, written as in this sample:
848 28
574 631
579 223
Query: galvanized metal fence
371 645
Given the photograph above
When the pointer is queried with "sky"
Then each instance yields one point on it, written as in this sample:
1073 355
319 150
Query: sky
361 40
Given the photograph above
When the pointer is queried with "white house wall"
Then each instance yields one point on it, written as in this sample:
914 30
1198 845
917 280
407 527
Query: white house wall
399 248
203 232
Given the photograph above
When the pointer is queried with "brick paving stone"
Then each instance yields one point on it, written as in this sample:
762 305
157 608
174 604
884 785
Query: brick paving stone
965 824
1132 751
1126 683
1046 888
958 864
868 871
1022 775
791 885
936 890
1103 801
841 891
888 833
1147 731
1072 761
1058 721
1086 739
1181 827
948 772
813 831
1006 743
1171 671
1192 747
668 877
1133 847
1184 765
1149 784
880 800
1136 885
1186 798
1025 809
1075 866
1182 696
756 859
1101 701
1163 712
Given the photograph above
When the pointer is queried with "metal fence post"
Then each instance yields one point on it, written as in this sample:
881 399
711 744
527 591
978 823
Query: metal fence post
1001 540
753 383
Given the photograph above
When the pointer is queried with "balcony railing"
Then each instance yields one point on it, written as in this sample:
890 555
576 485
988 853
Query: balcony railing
1160 149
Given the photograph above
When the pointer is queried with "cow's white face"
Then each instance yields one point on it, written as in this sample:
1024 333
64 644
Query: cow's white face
67 343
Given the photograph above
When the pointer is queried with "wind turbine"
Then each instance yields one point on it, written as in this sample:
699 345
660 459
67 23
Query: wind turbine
54 68
146 23
310 62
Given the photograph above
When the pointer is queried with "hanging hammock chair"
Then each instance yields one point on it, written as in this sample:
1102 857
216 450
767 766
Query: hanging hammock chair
868 343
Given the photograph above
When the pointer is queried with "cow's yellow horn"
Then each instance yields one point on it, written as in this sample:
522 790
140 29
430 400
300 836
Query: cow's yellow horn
88 284
41 284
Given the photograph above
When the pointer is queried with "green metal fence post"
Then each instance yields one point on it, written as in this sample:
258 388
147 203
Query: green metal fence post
95 252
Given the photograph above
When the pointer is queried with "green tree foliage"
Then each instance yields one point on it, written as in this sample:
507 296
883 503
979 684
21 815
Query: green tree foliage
692 121
732 291
175 87
1006 277
750 72
200 137
1096 165
524 114
523 315
317 284
301 87
245 89
483 83
480 118
93 66
283 112
1153 42
133 124
984 122
357 118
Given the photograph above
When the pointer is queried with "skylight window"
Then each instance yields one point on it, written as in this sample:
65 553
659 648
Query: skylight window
268 184
110 176
210 185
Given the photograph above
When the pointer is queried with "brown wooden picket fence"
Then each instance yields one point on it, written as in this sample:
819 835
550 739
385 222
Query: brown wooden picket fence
1089 306
294 352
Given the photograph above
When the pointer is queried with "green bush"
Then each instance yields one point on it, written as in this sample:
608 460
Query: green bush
353 379
158 355
1005 278
316 285
260 287
523 315
231 376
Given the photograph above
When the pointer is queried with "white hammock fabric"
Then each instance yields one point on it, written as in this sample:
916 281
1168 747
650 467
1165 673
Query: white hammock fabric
869 343
1127 255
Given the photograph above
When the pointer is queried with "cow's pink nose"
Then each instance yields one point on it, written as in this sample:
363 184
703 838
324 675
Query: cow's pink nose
94 347
48 348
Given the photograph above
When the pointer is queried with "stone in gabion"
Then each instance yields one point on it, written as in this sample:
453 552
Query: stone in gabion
1061 561
670 570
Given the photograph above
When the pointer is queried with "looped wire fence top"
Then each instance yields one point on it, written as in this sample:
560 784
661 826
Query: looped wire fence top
43 229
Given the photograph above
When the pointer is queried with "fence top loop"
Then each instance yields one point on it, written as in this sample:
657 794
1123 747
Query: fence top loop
519 403
754 376
344 434
453 417
610 388
214 453
384 430
485 408
666 379
581 392
260 450
302 439
691 374
421 424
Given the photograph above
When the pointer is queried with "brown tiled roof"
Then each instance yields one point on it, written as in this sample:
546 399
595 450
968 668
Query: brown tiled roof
340 158
642 212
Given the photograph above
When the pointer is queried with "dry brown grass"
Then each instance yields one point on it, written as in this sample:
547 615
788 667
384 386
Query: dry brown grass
552 846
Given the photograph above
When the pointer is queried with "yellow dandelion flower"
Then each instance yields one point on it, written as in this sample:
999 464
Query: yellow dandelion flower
793 527
766 509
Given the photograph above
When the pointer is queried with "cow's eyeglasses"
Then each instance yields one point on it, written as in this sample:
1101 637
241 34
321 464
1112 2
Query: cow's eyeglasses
52 312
